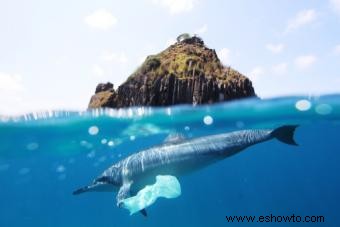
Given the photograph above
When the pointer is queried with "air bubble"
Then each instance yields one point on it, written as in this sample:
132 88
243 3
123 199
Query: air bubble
208 120
60 169
303 105
92 154
323 109
102 159
24 171
32 146
103 141
86 144
93 130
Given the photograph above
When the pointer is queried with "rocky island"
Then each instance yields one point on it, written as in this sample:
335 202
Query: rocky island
187 72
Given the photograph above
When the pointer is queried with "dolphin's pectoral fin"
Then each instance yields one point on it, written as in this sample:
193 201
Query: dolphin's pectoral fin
123 193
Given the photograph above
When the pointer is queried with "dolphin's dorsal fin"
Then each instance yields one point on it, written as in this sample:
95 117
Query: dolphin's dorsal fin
174 138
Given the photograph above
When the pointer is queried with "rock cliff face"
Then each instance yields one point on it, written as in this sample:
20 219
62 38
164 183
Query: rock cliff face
186 72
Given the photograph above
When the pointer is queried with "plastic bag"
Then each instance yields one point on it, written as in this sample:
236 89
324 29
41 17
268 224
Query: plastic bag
166 186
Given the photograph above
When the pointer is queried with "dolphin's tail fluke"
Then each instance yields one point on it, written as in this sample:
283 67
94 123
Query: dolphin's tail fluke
285 134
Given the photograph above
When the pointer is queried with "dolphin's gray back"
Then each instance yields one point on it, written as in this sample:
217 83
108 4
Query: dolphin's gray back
174 158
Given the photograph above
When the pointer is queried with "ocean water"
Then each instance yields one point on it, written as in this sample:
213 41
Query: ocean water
45 156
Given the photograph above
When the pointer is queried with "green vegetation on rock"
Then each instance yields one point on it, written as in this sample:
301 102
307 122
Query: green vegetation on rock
185 72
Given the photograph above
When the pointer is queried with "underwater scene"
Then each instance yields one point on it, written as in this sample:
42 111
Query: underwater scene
45 157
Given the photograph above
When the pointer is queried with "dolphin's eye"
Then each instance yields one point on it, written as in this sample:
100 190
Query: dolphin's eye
102 179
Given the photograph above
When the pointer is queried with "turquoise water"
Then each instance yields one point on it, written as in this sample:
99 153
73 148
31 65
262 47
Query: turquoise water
45 156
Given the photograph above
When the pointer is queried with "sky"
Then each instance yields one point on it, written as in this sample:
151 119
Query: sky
54 53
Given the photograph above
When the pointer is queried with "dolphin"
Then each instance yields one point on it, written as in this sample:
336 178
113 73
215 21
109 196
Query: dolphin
179 157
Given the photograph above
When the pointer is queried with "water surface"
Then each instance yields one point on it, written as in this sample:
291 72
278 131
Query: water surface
45 156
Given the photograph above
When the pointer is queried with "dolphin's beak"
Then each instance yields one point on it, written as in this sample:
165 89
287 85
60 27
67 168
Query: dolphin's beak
95 186
81 190
86 188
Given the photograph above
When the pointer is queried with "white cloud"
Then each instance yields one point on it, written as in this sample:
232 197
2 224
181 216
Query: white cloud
101 19
275 48
176 6
337 49
61 60
97 71
302 18
202 29
10 83
305 61
224 56
112 57
280 68
335 4
256 73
